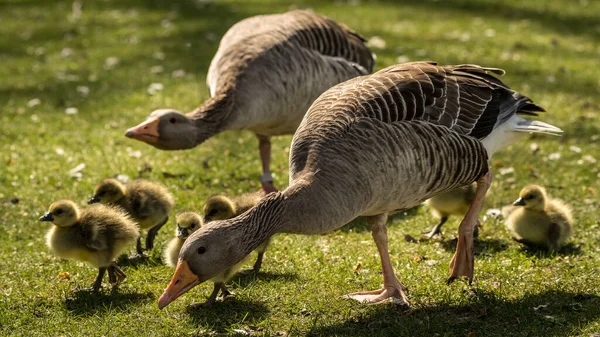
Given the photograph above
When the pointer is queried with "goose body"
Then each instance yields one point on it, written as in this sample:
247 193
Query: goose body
369 146
537 220
148 203
266 73
96 235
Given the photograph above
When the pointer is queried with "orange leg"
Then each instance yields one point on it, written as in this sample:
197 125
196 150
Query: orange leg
393 290
462 262
266 179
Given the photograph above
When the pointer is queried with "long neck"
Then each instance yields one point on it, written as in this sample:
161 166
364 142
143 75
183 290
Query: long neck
213 116
298 210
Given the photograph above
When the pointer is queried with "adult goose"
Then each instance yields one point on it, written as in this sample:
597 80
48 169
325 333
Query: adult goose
369 146
266 73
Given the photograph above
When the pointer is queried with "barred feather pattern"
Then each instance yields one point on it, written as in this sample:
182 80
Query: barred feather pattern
270 68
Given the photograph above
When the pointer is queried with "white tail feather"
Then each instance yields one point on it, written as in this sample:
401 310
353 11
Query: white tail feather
514 129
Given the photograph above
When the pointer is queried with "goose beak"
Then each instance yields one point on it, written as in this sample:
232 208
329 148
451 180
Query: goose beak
519 202
93 200
145 132
47 217
183 280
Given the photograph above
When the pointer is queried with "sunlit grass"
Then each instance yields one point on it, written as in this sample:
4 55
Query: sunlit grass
103 62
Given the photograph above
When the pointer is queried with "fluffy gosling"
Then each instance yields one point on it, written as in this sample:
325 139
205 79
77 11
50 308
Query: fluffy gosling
96 235
148 204
455 202
539 221
187 223
220 207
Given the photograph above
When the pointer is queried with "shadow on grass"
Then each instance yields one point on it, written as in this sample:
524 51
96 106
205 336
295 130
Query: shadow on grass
543 253
481 246
241 280
88 303
223 314
549 313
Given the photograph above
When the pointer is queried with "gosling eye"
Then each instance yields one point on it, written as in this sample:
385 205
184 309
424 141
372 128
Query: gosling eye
101 194
529 197
201 250
172 120
212 212
193 225
58 212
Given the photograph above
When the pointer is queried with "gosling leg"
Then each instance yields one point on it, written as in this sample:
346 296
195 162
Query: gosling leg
98 282
152 234
437 230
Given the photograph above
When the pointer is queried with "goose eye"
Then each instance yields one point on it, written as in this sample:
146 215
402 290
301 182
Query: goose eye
172 120
201 250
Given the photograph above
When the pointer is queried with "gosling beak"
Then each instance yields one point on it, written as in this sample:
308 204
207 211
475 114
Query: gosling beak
47 217
519 202
206 219
145 132
182 233
93 200
183 280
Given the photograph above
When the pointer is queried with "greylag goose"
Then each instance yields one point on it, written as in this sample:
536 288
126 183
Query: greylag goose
148 203
369 146
455 202
220 207
96 235
188 223
266 73
539 221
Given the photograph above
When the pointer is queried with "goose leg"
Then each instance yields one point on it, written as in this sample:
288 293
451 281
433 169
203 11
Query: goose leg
266 179
462 262
437 230
392 288
152 234
98 282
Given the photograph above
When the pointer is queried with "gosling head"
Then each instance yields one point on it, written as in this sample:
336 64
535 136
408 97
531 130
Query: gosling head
166 129
218 207
187 223
532 197
62 213
108 191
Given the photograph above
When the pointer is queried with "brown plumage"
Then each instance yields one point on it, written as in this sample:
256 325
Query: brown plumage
220 207
147 202
266 73
96 235
537 220
369 146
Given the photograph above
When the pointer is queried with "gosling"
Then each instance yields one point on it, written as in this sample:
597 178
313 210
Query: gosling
538 221
455 202
96 235
220 207
188 223
148 204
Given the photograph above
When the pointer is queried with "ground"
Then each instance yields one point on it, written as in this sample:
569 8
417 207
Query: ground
76 75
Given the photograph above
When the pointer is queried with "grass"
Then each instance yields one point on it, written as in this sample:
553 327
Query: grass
549 49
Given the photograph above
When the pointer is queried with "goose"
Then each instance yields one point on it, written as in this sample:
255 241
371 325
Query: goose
266 72
147 202
538 220
372 145
220 207
454 202
96 235
188 223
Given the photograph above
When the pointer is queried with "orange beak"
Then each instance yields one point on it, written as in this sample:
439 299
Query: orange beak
145 132
183 280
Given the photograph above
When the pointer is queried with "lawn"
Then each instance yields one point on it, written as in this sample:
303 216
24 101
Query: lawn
75 76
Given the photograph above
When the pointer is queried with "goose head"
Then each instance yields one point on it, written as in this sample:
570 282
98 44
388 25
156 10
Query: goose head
187 223
166 129
218 207
210 251
108 191
532 197
62 213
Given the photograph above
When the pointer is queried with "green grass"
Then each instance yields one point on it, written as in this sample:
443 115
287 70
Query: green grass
550 50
